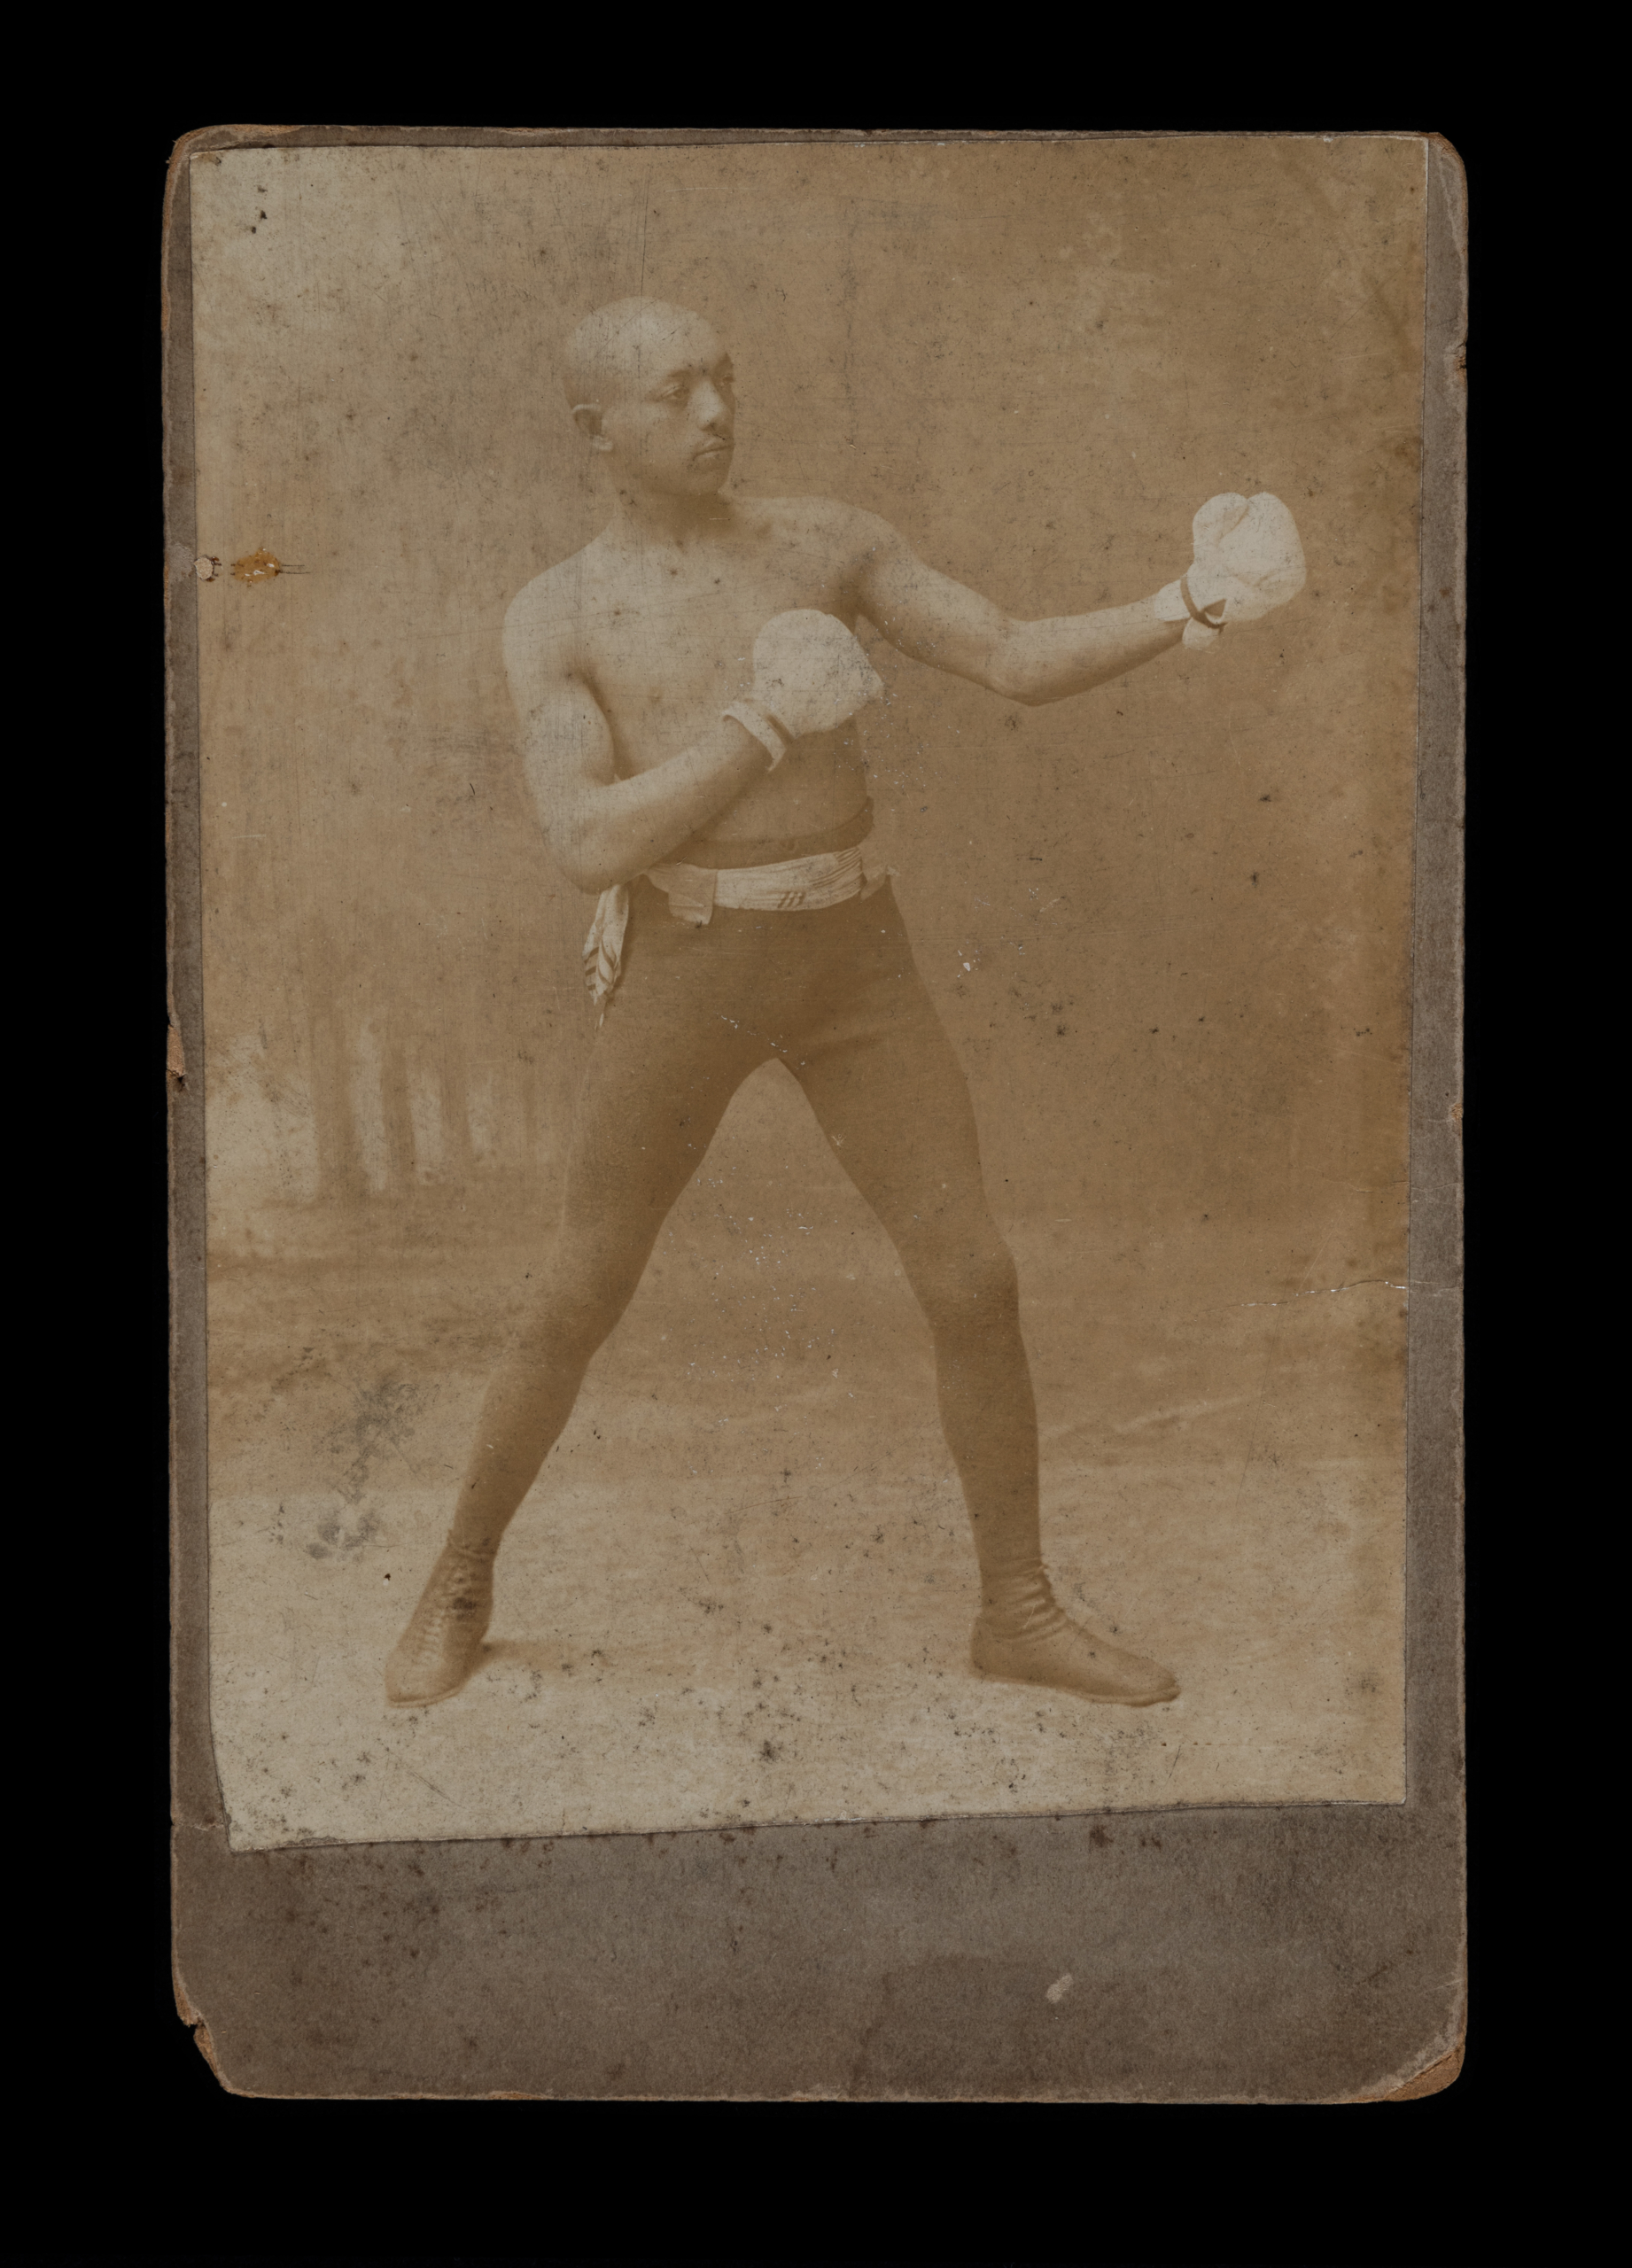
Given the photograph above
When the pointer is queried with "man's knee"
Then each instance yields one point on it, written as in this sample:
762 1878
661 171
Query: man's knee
576 1308
969 1285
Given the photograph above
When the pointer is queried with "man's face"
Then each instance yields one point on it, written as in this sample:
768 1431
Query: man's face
672 416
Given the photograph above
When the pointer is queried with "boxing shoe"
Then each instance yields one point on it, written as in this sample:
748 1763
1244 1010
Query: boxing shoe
1047 1648
809 675
443 1641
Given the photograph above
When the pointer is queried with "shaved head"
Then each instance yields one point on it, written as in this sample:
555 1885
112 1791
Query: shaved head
618 347
653 393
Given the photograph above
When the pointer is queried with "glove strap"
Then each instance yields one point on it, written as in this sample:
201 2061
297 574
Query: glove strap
1196 614
764 727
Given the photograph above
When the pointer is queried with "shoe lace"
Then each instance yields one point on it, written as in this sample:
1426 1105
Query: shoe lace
1024 1606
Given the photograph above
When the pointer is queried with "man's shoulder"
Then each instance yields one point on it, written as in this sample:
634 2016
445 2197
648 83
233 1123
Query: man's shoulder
826 520
842 532
552 605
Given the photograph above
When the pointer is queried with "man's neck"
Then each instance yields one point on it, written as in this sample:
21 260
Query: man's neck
644 518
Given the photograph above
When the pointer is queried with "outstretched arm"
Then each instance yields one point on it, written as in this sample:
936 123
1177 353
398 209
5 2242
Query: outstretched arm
936 620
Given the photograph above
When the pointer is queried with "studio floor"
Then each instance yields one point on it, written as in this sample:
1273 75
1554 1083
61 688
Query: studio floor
742 1590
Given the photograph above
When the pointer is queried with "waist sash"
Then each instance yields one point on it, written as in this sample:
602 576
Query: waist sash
802 884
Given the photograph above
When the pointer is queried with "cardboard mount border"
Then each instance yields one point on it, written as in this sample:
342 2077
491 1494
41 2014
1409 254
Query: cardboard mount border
1264 1953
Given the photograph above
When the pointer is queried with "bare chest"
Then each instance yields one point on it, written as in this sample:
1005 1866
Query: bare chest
667 643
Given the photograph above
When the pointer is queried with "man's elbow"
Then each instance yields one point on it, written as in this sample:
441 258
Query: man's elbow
592 876
1020 686
583 861
1013 675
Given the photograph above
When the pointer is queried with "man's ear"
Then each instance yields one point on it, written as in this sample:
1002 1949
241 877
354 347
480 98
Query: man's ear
586 417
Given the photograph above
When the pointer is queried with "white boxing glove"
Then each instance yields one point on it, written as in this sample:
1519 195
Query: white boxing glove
809 674
1247 560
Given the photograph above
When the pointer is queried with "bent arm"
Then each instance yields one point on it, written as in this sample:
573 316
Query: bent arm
602 829
936 620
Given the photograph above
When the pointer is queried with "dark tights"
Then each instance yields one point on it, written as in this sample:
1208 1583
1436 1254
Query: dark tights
837 996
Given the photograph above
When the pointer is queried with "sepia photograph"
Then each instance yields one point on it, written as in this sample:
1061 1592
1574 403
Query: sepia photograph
807 762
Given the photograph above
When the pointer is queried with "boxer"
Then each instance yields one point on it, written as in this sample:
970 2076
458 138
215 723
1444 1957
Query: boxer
687 687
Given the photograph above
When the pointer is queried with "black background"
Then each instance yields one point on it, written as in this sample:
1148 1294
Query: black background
131 2148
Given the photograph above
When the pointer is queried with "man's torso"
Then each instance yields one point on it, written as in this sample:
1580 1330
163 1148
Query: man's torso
663 638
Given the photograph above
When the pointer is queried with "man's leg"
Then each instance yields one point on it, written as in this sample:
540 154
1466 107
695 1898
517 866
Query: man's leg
890 1096
657 1088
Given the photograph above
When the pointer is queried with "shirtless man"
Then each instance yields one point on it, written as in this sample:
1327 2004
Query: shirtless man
686 686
